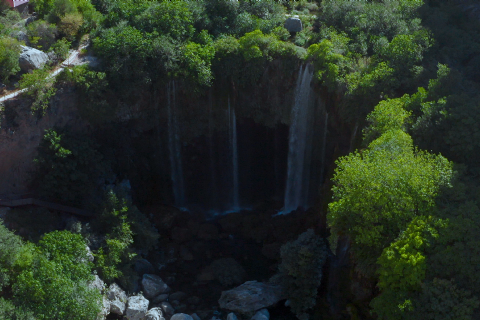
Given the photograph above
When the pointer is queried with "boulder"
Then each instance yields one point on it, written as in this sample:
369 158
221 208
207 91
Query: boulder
293 24
143 266
261 315
22 37
97 283
104 310
31 59
167 308
179 295
160 298
137 307
181 316
195 316
232 316
250 297
153 285
154 314
117 298
185 254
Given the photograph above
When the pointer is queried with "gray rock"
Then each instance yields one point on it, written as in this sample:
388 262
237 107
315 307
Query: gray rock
117 298
179 295
143 266
154 314
97 283
232 316
22 36
153 285
31 59
261 315
250 297
167 308
137 307
181 316
160 298
90 256
293 24
195 316
29 20
104 310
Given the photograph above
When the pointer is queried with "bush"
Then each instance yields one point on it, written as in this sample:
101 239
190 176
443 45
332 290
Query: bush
68 168
40 87
55 286
300 272
41 34
9 54
69 26
61 49
10 250
9 311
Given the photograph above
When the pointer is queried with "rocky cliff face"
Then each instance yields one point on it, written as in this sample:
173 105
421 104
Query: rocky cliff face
21 132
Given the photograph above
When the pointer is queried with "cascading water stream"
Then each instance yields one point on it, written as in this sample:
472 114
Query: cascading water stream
232 130
174 146
324 146
296 191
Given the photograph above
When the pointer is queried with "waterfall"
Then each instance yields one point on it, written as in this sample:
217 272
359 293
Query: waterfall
324 146
174 146
232 130
213 176
300 144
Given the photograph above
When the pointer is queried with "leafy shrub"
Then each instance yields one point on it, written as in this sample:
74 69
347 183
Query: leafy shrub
55 286
12 312
40 87
379 191
68 167
41 34
118 239
300 272
61 49
69 26
9 54
10 250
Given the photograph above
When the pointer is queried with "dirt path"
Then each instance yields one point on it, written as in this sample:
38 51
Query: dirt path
73 59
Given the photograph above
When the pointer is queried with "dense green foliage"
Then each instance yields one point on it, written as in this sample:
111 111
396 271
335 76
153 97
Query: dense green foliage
55 284
68 167
48 280
300 272
406 70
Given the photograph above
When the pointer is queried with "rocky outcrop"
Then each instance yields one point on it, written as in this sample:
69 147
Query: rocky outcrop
143 266
154 314
250 297
153 285
232 316
167 308
181 316
32 59
261 315
293 24
137 307
117 298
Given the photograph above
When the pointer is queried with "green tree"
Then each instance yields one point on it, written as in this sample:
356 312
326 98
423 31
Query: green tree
68 167
55 286
40 86
378 191
9 54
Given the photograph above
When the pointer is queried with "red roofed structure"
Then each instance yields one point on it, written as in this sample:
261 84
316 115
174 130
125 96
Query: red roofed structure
16 3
